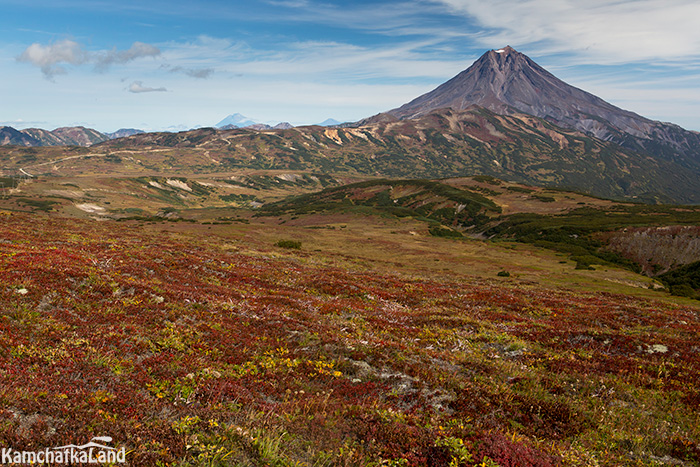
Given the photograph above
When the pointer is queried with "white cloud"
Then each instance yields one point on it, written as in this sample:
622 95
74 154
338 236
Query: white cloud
51 58
138 87
595 31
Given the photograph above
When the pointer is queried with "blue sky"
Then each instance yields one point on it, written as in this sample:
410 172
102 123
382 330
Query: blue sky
168 65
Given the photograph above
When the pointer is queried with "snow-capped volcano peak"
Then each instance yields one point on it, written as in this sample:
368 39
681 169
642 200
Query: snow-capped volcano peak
506 49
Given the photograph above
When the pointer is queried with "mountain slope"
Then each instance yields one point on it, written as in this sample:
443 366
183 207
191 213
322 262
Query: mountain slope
45 137
79 136
506 81
10 136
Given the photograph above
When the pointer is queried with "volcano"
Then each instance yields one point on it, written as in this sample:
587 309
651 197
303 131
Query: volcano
506 81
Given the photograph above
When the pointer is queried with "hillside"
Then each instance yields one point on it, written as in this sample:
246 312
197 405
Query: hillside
444 143
588 230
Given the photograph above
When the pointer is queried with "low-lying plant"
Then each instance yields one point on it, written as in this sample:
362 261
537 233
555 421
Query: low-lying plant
290 244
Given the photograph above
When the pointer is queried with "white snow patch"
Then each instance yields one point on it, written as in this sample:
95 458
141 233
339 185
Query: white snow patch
496 162
156 185
91 208
500 51
178 184
290 177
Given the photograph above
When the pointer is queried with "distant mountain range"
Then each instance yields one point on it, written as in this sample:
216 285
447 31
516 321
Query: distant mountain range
329 122
67 136
81 136
259 126
123 133
241 121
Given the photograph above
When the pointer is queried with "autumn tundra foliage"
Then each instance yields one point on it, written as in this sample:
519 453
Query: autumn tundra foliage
196 350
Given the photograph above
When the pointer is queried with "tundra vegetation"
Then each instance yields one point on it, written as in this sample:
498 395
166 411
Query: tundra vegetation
222 349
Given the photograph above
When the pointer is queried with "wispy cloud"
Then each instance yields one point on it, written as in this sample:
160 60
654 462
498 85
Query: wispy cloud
319 61
199 73
19 123
138 87
52 58
595 31
104 60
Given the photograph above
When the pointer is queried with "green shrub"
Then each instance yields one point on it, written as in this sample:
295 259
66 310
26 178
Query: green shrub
683 290
440 231
503 274
38 204
486 179
291 244
544 199
518 189
236 197
113 158
9 182
585 261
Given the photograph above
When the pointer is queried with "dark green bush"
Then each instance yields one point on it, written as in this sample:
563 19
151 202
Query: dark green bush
440 231
518 189
683 290
486 179
544 199
38 204
291 244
